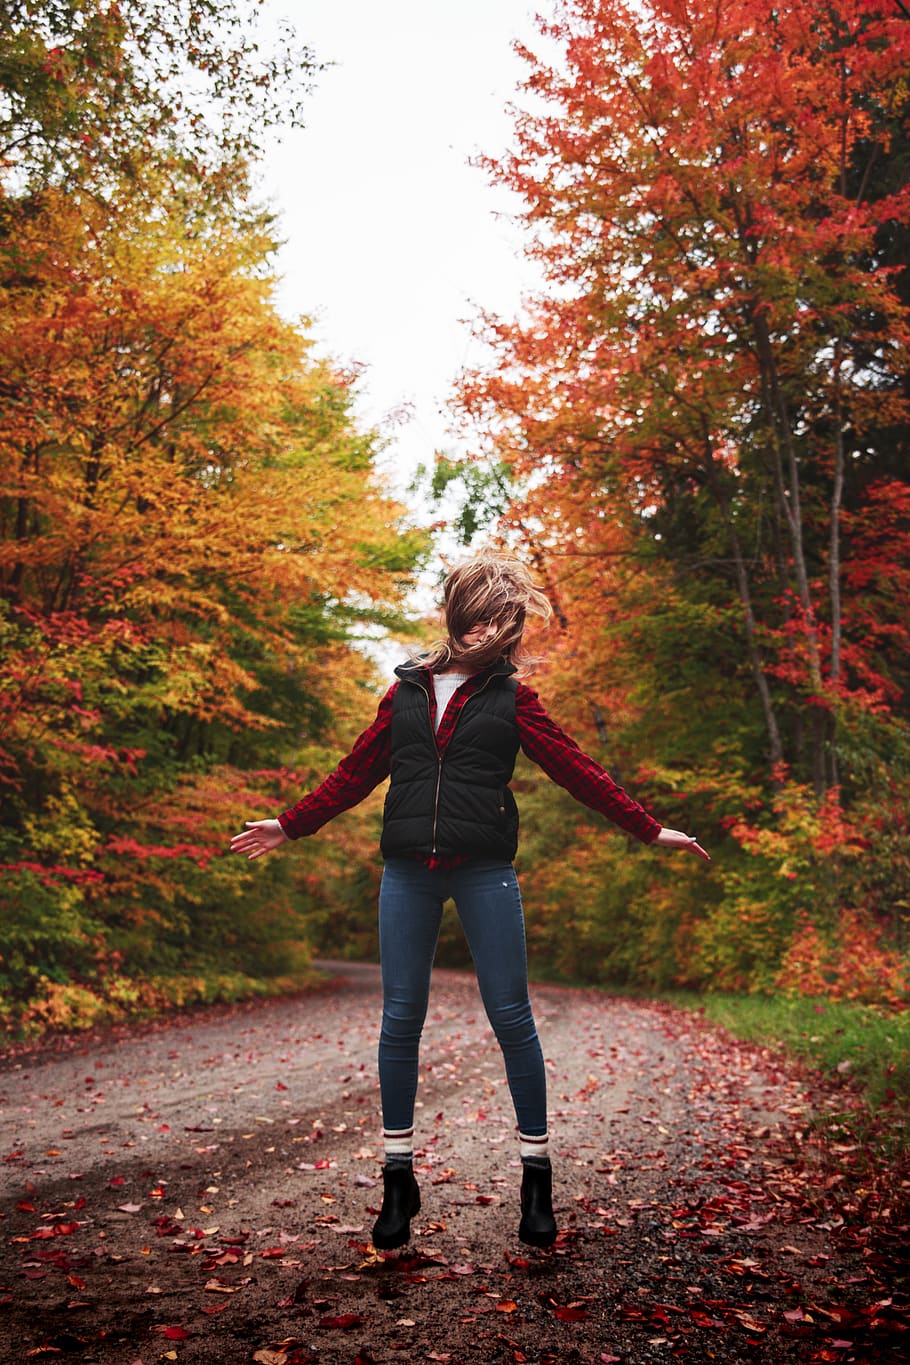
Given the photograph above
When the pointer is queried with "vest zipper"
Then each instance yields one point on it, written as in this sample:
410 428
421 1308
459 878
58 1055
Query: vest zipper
436 802
426 693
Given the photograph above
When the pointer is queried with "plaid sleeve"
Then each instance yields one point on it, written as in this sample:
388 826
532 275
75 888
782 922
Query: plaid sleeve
548 745
354 778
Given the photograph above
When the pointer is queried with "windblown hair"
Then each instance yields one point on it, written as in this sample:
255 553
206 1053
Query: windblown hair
488 587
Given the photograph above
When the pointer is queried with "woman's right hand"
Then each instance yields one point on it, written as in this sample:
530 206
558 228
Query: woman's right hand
258 837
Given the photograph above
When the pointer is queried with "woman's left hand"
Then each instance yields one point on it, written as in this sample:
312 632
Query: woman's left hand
258 837
674 838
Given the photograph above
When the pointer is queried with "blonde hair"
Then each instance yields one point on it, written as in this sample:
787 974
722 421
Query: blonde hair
488 587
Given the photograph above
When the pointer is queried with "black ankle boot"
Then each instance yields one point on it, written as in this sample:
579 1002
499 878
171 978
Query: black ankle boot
537 1226
400 1201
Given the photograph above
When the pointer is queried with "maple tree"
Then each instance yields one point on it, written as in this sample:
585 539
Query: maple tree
701 413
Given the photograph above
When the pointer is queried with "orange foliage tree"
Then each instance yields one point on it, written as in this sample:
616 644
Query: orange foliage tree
191 530
193 538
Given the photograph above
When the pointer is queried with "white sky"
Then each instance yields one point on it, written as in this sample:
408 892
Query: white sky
392 238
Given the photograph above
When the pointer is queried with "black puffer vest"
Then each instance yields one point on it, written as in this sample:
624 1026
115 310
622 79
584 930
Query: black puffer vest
457 802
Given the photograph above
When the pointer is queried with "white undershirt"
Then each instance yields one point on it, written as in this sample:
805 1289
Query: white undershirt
445 685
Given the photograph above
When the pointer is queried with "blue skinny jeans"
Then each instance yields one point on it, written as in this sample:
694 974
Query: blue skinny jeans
488 902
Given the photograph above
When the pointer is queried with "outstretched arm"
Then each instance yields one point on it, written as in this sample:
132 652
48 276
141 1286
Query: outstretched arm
354 778
548 745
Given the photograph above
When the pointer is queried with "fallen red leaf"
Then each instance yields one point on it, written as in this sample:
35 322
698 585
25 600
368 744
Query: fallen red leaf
344 1321
63 1342
704 1319
748 1322
842 1316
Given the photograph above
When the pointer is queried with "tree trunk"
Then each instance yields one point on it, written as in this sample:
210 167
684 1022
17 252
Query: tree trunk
775 746
788 489
68 588
13 587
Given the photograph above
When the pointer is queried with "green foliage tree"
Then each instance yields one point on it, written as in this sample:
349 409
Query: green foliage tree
94 92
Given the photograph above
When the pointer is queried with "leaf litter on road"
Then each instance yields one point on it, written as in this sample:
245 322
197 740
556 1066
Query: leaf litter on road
746 1226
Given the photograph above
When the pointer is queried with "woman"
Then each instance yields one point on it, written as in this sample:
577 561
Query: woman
448 733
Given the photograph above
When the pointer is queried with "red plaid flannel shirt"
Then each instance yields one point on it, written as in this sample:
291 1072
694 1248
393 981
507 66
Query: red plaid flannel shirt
544 742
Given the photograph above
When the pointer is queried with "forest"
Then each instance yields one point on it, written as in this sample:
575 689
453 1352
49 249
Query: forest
695 433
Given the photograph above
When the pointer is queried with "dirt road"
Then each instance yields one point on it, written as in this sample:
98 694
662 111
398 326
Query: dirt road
202 1189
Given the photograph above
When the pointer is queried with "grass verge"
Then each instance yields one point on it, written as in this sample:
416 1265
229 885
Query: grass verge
849 1041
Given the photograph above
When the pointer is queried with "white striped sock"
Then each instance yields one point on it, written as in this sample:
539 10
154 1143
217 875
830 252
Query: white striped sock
533 1146
398 1141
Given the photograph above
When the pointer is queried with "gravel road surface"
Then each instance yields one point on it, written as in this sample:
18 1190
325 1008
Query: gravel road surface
202 1189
